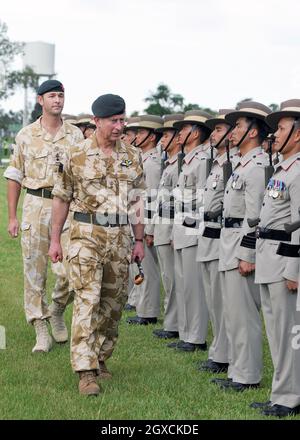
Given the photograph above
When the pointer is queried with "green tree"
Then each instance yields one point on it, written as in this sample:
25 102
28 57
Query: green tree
11 80
163 102
8 51
274 107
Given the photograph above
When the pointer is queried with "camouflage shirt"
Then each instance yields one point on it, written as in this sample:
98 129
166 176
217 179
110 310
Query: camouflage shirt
94 182
37 154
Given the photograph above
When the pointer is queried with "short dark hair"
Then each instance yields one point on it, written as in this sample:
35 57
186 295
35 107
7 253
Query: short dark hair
204 132
260 126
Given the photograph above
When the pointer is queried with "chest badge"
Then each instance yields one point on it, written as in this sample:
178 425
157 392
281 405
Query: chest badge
126 163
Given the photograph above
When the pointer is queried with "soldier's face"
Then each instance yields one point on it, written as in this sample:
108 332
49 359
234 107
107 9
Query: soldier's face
52 102
239 130
284 127
141 135
218 133
111 128
183 133
166 138
129 136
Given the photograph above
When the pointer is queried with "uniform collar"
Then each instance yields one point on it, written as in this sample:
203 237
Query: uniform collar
38 130
92 147
172 160
252 154
285 164
221 159
190 156
148 154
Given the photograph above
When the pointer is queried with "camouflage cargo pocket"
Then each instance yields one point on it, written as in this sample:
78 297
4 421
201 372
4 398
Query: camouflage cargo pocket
82 268
26 239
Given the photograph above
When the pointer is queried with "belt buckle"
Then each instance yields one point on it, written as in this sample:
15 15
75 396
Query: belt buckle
257 232
43 195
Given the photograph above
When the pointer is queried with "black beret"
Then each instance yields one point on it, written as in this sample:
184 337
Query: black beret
108 105
51 85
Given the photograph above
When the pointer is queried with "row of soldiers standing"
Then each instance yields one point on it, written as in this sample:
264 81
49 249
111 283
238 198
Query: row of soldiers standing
216 231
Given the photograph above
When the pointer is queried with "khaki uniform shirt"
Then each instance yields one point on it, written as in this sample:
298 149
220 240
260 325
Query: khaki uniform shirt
187 198
163 225
36 157
152 166
276 211
93 182
208 248
242 199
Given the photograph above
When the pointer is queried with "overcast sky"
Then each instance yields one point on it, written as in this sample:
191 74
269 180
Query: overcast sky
213 52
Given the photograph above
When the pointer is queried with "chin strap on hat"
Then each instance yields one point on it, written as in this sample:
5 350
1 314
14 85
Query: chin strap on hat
171 140
144 140
223 138
289 135
247 131
133 142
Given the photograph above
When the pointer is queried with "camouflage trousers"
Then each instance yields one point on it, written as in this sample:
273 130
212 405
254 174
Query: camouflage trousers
36 230
98 261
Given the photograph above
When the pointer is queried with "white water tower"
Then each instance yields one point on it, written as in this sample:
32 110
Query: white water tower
40 57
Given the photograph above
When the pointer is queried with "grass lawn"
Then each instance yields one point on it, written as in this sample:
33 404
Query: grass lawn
150 381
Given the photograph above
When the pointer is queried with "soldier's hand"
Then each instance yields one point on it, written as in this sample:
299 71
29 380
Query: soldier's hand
149 240
138 251
55 252
13 228
246 268
292 286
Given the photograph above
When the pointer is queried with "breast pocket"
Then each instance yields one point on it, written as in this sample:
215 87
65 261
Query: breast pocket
190 181
95 191
238 196
36 165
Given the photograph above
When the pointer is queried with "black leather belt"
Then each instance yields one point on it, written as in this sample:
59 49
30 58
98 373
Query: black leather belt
233 222
106 220
211 232
288 250
42 192
249 241
272 234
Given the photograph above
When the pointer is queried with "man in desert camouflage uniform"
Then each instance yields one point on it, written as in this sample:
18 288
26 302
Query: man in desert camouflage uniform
129 137
101 181
39 152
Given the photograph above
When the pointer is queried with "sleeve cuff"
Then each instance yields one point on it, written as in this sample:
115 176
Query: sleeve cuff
66 197
13 173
